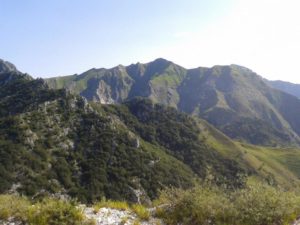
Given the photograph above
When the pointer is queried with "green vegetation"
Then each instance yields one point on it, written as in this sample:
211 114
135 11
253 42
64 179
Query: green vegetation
256 131
255 204
277 166
59 143
179 134
141 212
232 98
52 141
14 206
45 212
111 204
291 88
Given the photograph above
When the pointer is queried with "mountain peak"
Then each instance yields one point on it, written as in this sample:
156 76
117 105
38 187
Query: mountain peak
7 67
241 68
161 61
8 73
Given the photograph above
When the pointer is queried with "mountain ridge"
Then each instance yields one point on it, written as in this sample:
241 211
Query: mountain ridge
288 87
6 66
235 92
53 142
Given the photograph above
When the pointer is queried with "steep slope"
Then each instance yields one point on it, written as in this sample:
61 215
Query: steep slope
293 89
54 142
232 98
6 67
181 135
157 80
238 102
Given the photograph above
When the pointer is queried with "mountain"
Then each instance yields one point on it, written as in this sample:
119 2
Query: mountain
232 98
53 142
7 67
293 89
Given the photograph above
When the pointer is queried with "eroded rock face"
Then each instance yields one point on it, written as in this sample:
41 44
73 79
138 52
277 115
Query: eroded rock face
100 90
103 93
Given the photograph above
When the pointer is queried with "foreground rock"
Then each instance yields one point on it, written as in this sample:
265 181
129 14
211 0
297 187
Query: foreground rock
108 216
10 221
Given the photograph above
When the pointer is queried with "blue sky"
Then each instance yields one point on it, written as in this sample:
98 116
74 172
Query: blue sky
61 37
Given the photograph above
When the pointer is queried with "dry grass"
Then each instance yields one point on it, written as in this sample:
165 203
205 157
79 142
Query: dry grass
141 211
120 205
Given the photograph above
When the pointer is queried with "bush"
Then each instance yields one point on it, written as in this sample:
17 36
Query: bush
13 206
141 211
256 204
260 204
55 212
47 212
200 205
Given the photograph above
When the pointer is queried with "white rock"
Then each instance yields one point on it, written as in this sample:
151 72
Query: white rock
108 216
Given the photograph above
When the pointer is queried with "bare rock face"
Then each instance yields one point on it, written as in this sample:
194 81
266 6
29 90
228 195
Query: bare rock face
103 93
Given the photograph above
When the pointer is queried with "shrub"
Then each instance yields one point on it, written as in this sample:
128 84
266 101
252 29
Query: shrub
256 204
55 212
136 222
47 212
141 211
260 204
200 205
13 206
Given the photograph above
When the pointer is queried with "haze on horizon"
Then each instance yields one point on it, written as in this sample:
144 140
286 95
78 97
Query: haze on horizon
62 37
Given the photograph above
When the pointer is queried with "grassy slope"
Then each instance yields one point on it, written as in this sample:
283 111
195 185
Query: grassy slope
278 165
60 82
76 83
